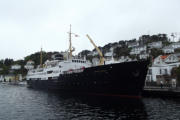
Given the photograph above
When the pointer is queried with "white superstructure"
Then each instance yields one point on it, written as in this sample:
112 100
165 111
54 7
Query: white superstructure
53 69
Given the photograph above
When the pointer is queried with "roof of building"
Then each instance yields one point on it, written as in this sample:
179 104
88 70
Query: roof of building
164 56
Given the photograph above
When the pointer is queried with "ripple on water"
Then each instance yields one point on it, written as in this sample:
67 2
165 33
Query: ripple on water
21 103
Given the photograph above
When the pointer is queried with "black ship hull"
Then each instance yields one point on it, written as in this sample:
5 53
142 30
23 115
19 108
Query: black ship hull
121 79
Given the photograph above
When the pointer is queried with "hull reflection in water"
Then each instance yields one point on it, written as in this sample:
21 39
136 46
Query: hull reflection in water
98 108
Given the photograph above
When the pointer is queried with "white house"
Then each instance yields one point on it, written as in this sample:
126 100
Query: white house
133 44
115 46
16 67
124 59
175 45
95 61
1 78
168 49
108 54
143 56
138 50
29 65
10 78
162 65
155 44
159 70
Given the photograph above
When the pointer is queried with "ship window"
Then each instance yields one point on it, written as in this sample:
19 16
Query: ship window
60 66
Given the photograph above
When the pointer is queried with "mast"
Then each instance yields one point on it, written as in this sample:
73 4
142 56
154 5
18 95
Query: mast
70 44
71 49
41 58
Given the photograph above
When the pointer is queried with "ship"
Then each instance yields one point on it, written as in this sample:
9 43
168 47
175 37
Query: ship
77 75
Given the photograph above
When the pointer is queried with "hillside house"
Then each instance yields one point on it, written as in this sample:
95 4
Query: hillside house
175 45
162 66
95 61
29 65
155 45
133 44
138 50
16 67
108 54
168 49
124 59
143 56
7 78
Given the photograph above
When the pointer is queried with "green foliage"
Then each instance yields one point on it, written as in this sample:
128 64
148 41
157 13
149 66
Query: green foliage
121 51
8 62
176 74
1 63
36 57
145 39
84 53
5 70
156 52
133 57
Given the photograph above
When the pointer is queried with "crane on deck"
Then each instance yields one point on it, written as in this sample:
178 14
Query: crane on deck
102 59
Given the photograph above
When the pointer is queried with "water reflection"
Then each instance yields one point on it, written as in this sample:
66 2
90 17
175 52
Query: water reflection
21 103
97 108
162 109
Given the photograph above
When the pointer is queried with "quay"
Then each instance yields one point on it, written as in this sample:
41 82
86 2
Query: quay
162 92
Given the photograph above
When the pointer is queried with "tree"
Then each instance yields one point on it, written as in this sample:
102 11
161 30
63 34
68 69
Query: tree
121 51
176 74
84 53
156 52
8 62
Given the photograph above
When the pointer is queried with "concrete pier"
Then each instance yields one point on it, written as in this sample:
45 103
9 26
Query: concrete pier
164 92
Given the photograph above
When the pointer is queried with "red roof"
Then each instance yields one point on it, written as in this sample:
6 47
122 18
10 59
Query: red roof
164 56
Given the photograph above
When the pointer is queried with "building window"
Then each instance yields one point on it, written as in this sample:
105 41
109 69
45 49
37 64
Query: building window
160 71
150 72
49 72
165 70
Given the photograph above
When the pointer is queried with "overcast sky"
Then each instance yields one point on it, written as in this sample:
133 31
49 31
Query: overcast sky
26 25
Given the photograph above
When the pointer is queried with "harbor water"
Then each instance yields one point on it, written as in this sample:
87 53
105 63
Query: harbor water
17 102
